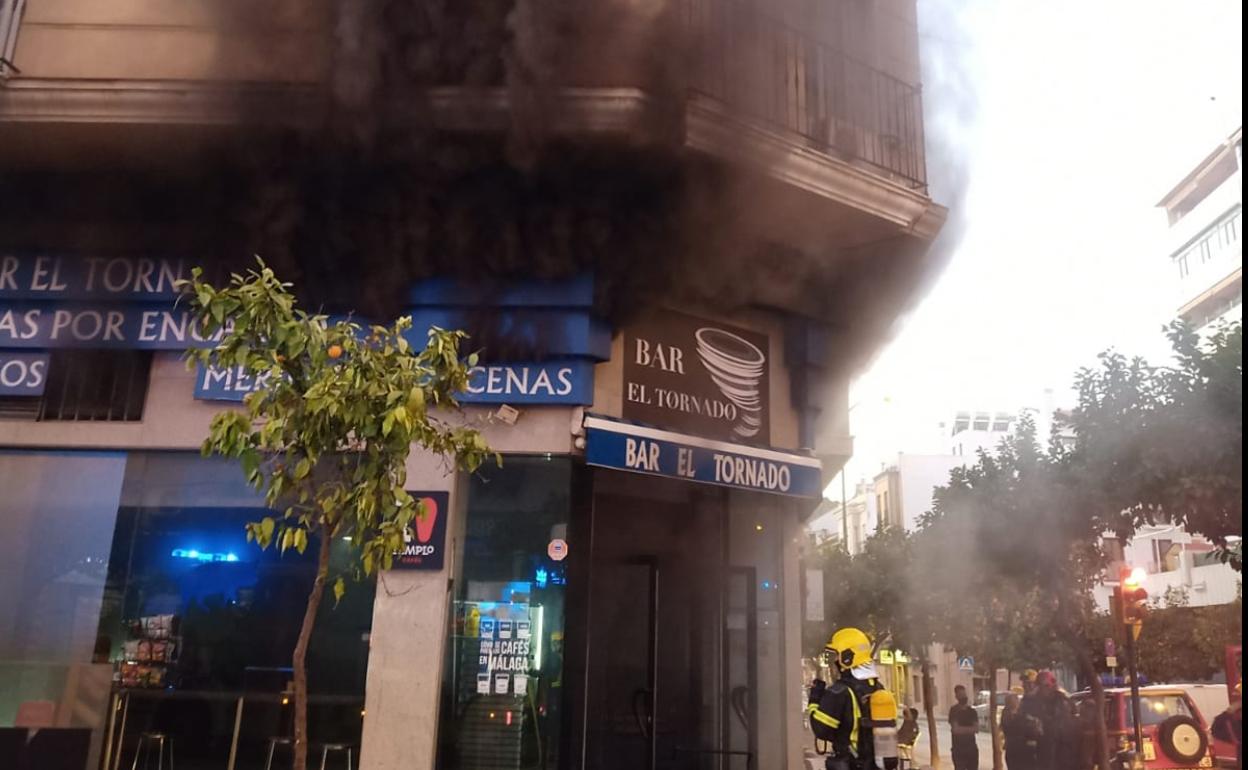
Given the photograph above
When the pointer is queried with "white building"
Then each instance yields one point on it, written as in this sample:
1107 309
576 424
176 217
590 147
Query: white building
973 431
1177 562
1205 240
829 522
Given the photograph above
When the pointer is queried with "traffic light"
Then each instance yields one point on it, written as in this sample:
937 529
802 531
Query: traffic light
1132 596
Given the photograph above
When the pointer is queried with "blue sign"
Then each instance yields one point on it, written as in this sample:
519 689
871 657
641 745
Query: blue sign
45 325
612 444
966 664
23 374
121 279
557 382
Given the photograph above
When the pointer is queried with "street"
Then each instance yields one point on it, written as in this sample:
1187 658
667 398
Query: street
922 754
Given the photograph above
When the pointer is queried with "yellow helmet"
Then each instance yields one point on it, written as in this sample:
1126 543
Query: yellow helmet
850 648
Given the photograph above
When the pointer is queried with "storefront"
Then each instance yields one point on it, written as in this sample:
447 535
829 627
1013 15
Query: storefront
621 593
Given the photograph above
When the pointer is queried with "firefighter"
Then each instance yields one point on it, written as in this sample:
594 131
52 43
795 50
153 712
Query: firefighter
855 715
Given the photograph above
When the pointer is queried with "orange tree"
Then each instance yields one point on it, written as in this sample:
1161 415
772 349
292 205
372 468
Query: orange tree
1165 443
327 436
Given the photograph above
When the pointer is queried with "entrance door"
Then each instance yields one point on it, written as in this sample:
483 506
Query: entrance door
671 683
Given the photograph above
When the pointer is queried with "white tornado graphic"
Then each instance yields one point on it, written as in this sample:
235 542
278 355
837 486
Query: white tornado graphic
736 366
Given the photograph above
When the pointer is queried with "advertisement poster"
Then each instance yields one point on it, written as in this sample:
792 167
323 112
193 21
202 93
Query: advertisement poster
424 543
502 637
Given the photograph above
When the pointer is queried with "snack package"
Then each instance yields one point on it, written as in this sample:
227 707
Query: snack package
130 650
129 675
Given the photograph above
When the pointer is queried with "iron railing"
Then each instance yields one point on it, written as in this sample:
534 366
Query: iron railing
761 67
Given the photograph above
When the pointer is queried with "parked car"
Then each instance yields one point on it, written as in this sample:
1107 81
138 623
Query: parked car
1176 735
981 710
1212 700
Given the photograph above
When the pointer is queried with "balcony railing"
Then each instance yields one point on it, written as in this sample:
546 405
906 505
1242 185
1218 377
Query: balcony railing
764 68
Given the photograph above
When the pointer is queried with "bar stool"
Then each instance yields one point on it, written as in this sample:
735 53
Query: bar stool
328 747
144 748
274 742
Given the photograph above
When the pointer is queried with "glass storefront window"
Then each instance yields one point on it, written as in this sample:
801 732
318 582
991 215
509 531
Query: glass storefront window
126 579
503 688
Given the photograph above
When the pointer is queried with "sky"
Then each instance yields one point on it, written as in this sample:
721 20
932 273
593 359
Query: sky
1084 114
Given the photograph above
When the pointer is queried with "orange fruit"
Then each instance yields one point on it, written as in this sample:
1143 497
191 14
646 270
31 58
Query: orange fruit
335 351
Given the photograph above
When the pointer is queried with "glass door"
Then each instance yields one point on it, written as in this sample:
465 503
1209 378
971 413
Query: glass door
671 679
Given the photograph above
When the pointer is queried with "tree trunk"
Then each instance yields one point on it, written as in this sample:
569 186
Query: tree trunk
299 663
1078 643
998 760
929 708
1098 698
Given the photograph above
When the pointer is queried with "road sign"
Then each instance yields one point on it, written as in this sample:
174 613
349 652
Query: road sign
966 664
1111 661
557 550
1111 649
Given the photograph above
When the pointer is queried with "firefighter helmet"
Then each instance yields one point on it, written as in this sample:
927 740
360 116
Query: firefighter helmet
850 648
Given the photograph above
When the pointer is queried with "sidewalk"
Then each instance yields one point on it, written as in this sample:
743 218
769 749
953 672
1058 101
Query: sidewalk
922 755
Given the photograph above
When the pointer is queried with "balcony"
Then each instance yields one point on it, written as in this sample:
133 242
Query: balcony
755 88
764 69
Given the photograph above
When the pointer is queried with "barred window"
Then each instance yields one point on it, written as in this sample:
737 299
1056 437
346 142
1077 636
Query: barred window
87 386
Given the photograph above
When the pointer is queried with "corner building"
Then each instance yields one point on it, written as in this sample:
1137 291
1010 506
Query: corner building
667 229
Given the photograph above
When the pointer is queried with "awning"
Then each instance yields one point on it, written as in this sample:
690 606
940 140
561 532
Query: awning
639 449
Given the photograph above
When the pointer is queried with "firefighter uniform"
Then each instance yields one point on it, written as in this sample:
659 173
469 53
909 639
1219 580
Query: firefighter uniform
847 713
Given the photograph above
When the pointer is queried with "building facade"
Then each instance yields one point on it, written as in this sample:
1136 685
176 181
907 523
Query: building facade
653 221
1205 239
1181 569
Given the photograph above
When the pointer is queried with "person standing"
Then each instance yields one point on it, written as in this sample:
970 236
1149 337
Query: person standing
908 735
1228 727
1052 710
1020 734
1029 681
963 725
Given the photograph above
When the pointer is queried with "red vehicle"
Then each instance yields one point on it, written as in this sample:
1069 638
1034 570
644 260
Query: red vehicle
1176 736
1225 751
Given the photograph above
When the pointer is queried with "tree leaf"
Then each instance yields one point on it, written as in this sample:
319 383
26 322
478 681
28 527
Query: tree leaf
340 588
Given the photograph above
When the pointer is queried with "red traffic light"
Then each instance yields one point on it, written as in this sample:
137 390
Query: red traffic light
1133 599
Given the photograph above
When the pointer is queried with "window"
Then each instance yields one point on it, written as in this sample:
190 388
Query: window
1168 555
1181 261
503 685
96 541
1155 709
982 420
87 386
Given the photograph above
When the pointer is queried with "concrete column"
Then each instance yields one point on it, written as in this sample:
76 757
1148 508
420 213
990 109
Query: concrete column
791 565
407 644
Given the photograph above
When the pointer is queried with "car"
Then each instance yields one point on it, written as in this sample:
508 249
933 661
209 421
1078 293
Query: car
1212 700
1176 736
981 710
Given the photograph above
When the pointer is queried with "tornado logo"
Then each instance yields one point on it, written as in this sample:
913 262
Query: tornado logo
736 365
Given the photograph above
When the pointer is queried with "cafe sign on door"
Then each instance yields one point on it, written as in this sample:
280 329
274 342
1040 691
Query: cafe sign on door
698 377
